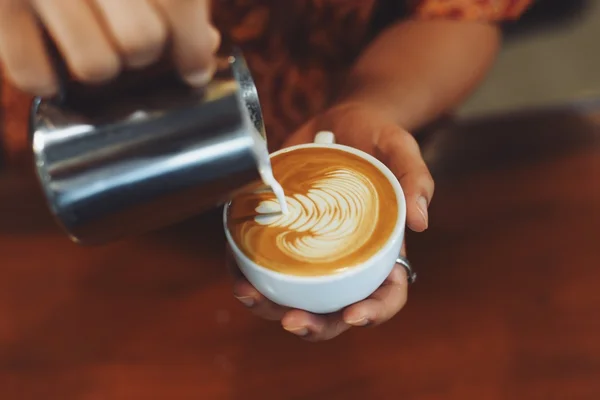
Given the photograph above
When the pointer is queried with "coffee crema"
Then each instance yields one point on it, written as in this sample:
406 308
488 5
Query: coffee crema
341 211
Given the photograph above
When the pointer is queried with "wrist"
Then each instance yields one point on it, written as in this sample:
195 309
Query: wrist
387 98
365 100
412 111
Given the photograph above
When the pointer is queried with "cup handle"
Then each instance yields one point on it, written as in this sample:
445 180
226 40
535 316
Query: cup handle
325 137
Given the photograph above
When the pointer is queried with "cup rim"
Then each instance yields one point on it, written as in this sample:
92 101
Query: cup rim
399 227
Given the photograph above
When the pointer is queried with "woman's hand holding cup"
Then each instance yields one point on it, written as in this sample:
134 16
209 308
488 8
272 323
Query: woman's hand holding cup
369 131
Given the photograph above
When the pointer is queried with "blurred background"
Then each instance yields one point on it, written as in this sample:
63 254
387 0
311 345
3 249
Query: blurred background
549 57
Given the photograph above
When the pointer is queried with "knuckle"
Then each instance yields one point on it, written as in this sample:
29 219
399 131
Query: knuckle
94 69
265 310
417 175
387 133
143 41
426 175
411 143
197 55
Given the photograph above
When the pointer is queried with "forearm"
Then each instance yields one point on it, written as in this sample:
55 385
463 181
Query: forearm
417 70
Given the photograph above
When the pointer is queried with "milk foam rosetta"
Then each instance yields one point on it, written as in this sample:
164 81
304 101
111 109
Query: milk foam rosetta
341 211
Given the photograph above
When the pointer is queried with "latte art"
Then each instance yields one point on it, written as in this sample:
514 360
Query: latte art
338 214
341 211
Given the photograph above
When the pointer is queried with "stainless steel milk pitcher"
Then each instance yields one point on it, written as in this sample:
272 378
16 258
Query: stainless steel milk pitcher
142 159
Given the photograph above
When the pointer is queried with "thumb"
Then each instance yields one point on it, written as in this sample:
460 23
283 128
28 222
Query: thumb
401 153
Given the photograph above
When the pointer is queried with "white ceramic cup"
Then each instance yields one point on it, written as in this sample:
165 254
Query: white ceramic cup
327 293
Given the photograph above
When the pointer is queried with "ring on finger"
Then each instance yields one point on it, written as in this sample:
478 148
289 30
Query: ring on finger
411 275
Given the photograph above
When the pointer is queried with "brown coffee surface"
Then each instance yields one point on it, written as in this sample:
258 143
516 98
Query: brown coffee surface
342 211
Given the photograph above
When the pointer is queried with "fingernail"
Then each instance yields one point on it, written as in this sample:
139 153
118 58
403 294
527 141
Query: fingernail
199 78
246 300
298 331
358 322
422 205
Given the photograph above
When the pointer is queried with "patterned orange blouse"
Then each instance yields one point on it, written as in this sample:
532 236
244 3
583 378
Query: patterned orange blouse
298 50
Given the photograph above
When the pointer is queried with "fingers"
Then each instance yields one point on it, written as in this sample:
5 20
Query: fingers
97 37
80 38
256 302
313 327
382 305
249 296
136 28
22 50
194 39
402 154
300 323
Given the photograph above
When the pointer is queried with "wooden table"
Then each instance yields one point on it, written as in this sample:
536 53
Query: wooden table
507 305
